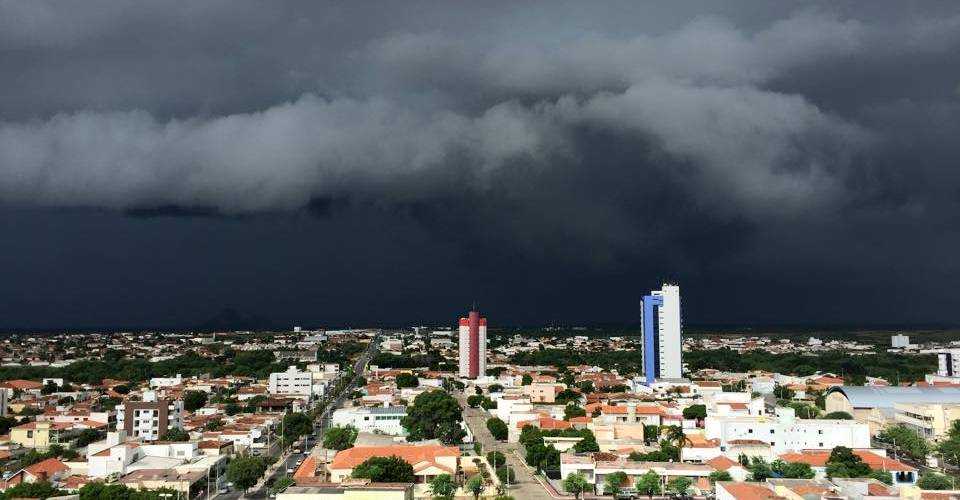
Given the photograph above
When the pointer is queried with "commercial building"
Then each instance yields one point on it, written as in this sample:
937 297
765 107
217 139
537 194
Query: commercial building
151 418
876 406
662 339
380 420
930 420
473 345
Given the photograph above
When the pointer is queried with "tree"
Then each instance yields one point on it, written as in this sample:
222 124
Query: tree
837 415
281 484
651 433
530 434
695 412
676 436
575 483
340 438
39 489
567 396
882 476
506 475
496 459
474 401
194 400
407 380
392 469
175 434
443 487
679 484
934 481
585 386
648 484
573 411
760 469
906 440
498 428
244 471
296 425
613 483
434 415
232 408
488 404
843 462
783 392
495 388
797 470
88 436
97 490
474 485
588 443
526 379
49 388
720 475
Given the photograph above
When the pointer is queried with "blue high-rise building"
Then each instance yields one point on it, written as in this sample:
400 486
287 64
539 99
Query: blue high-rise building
662 338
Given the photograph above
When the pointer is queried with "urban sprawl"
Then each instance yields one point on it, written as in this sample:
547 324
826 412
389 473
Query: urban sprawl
457 412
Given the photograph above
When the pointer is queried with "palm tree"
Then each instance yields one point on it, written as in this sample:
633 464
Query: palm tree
675 435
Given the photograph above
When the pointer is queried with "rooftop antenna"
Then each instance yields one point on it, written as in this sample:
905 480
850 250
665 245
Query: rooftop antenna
474 306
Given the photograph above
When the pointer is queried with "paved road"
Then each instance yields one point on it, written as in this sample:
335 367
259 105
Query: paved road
526 486
322 422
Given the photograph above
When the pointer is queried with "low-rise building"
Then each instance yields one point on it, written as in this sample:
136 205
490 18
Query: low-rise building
784 432
380 420
428 461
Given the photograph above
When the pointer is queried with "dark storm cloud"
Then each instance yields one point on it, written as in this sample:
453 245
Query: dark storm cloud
697 141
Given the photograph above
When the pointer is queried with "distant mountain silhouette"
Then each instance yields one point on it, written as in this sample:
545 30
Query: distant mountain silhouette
229 319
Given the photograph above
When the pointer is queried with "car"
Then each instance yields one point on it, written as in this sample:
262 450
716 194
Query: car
290 470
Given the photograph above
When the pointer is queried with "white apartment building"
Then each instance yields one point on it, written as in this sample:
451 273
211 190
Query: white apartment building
378 420
149 419
292 382
662 339
785 433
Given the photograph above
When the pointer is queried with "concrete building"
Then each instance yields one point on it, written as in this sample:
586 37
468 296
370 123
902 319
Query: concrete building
930 420
662 339
876 406
596 471
784 432
899 341
151 418
428 461
292 382
473 345
380 420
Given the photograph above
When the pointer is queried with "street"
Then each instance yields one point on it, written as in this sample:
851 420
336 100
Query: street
526 486
321 423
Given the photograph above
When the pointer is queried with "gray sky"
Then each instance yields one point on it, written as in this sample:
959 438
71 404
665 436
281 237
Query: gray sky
353 162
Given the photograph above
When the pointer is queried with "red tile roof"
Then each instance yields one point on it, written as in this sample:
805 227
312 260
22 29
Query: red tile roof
412 454
819 459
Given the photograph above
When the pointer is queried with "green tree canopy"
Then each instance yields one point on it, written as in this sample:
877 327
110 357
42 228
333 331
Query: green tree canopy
614 483
443 487
474 485
698 412
649 484
245 471
407 380
576 484
498 428
340 438
194 400
392 469
934 481
434 415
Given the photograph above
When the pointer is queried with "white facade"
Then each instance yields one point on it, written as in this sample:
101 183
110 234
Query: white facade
949 363
899 340
785 433
157 382
669 339
379 420
291 382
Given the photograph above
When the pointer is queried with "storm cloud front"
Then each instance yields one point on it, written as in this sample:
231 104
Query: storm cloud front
391 162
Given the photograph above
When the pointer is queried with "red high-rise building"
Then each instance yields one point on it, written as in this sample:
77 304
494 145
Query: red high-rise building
473 345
